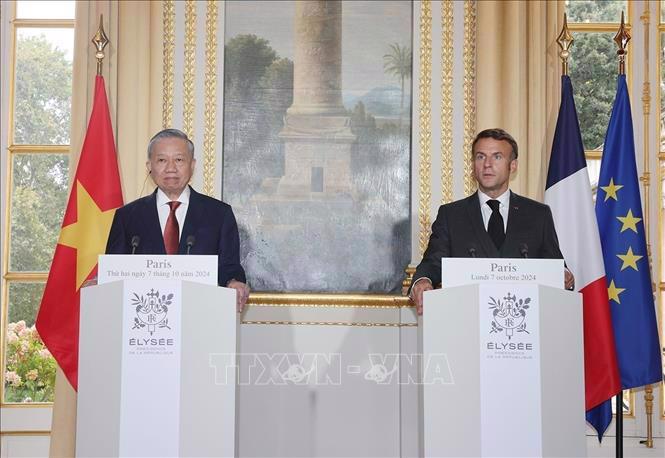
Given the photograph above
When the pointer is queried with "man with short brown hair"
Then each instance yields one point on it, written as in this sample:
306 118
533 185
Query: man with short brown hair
494 222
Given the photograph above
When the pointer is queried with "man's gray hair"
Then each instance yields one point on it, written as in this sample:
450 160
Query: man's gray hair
170 133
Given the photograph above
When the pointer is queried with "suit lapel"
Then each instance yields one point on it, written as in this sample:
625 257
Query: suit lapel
191 220
476 218
151 223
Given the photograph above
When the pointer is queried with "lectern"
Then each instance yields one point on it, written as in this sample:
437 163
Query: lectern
157 348
503 368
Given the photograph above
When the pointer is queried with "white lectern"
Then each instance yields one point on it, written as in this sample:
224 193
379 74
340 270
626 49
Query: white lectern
503 368
157 359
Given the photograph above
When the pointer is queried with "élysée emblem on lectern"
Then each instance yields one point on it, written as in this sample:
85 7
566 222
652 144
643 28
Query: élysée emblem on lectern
152 310
509 314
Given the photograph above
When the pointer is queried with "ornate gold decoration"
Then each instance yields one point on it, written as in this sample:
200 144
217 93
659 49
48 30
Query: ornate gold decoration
333 323
406 283
425 116
209 136
645 179
326 300
446 101
318 303
621 39
168 22
190 65
469 92
100 40
648 404
565 41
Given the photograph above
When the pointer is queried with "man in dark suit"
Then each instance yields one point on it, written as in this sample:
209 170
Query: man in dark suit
175 219
494 222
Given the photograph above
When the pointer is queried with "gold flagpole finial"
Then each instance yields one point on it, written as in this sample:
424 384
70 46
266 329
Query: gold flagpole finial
100 40
565 41
621 39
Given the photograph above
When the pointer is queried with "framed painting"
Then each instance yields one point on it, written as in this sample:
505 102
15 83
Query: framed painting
316 138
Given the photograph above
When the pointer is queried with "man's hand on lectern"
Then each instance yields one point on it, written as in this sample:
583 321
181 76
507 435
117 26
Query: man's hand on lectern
568 279
242 293
416 296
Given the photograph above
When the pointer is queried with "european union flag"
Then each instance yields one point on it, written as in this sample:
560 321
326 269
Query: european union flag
621 225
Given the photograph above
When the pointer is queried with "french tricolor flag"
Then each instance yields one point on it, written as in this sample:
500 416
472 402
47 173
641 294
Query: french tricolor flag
568 193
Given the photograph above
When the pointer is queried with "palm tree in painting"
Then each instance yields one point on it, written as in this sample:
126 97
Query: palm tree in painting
398 63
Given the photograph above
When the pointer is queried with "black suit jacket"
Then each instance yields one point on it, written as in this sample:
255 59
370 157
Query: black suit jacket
458 231
209 220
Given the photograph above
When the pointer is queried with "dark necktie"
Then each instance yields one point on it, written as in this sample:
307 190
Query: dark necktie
172 230
495 225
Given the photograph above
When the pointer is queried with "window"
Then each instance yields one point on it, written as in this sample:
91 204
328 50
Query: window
37 174
593 72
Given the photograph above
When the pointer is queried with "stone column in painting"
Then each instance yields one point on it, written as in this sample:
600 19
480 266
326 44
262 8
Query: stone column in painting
317 134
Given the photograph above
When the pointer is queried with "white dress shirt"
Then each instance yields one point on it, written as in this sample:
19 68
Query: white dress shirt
163 209
486 210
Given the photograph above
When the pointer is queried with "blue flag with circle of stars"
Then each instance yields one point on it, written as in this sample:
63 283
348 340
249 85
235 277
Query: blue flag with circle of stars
621 226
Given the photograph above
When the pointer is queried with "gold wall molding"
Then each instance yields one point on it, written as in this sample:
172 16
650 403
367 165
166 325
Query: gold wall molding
659 25
646 182
447 101
168 23
303 309
646 111
326 300
333 323
469 92
425 117
210 85
189 69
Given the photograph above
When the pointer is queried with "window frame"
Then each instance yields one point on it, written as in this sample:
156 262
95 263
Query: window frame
10 149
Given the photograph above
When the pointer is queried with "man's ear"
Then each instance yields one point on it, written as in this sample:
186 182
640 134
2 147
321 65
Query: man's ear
147 167
513 166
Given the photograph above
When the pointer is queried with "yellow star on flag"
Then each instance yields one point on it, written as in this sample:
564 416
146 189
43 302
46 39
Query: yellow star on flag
88 234
611 190
629 259
629 221
613 292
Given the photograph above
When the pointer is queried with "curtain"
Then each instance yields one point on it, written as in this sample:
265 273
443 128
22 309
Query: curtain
518 81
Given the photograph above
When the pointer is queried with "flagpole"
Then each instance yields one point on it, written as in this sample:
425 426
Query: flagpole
646 179
100 40
565 41
621 39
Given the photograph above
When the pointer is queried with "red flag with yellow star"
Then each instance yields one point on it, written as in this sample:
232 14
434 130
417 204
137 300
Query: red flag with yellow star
95 194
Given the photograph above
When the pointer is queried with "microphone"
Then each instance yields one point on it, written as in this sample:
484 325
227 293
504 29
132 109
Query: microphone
472 252
191 240
524 250
135 243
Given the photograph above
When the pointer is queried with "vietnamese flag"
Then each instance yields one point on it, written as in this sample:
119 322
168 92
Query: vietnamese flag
95 194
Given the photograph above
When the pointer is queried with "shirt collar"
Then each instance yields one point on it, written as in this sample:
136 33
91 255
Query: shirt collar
503 199
183 198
